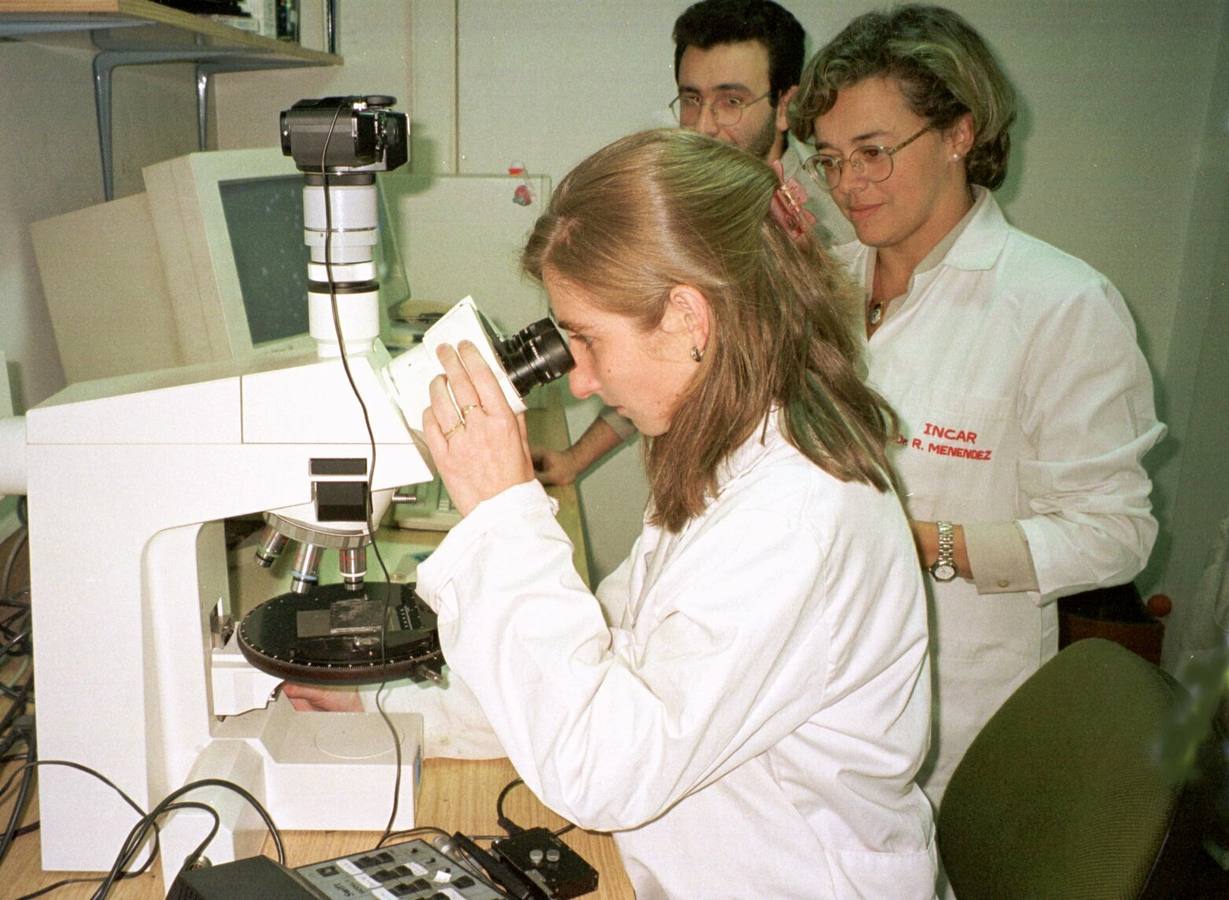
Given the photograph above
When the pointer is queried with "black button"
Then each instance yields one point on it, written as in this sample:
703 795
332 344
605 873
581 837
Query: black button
463 881
327 871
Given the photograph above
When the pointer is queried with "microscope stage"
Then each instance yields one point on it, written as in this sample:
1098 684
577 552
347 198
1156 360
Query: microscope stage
333 635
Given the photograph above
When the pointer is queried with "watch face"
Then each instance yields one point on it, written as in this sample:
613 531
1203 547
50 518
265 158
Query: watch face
942 571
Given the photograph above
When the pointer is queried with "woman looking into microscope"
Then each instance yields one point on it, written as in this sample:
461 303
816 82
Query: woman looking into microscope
745 701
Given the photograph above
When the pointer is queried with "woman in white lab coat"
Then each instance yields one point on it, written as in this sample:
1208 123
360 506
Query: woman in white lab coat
745 702
1025 403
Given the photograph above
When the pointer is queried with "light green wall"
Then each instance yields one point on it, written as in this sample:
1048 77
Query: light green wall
1120 159
1193 478
1107 159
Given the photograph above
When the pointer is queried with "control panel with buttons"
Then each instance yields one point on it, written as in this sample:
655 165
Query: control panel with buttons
412 869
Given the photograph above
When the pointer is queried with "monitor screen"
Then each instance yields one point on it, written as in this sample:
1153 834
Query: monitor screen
264 217
208 265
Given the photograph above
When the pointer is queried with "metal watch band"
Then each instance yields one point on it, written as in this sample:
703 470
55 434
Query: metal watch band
944 566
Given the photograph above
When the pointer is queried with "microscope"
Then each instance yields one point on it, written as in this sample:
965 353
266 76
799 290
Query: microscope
140 673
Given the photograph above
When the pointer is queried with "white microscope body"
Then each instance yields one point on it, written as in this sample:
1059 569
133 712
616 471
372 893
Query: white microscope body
128 482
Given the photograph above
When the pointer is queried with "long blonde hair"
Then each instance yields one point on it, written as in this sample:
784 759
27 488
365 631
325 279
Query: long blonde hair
662 208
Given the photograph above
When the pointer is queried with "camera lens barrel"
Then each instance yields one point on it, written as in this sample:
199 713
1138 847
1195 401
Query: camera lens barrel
535 355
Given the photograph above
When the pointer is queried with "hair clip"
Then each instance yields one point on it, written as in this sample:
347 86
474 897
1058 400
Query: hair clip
788 207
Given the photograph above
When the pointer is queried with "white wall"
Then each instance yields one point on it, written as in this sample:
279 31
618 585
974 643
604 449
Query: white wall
375 43
49 144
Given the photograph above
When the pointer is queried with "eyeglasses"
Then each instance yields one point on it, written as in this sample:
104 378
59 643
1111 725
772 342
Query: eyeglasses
727 108
872 162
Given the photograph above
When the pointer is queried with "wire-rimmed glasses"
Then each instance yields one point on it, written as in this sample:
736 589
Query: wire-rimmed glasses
873 162
727 108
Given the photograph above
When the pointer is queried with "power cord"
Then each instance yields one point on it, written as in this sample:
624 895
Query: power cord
507 824
23 519
147 827
29 767
13 733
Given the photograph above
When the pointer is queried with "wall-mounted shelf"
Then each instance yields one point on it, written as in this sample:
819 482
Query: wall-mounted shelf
141 32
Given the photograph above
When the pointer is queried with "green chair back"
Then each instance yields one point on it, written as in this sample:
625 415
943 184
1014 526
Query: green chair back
1060 796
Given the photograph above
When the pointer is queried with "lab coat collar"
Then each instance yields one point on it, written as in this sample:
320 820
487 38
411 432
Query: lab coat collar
766 436
982 234
974 244
763 439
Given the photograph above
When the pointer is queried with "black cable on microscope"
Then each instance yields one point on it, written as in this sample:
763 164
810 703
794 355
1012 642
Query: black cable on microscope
371 528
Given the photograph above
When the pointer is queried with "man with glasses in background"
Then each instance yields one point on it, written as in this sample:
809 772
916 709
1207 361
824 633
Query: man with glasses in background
736 66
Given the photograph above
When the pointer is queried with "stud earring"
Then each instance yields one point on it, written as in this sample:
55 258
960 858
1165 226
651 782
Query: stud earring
696 354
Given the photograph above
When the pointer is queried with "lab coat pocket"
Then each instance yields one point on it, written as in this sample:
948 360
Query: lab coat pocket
951 452
876 874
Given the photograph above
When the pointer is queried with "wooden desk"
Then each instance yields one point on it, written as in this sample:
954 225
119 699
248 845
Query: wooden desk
457 795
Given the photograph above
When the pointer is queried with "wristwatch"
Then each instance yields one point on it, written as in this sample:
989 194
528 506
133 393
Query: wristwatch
944 566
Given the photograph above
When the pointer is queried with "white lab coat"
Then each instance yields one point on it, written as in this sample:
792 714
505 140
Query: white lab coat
1023 397
747 707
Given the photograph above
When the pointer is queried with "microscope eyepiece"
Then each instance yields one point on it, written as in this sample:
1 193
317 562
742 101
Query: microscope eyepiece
537 354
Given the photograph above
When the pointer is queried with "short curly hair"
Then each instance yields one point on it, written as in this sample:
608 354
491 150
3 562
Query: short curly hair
943 67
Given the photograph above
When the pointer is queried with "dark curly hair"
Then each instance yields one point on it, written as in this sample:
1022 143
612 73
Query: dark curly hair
711 22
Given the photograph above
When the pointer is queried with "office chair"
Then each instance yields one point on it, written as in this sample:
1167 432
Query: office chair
1060 796
1118 614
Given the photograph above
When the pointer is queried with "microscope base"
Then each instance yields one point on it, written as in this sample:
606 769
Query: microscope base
310 770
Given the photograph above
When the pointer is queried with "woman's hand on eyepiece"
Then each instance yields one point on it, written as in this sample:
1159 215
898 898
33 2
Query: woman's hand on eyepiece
478 444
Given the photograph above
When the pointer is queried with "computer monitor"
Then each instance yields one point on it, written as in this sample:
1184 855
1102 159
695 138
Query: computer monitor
208 265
